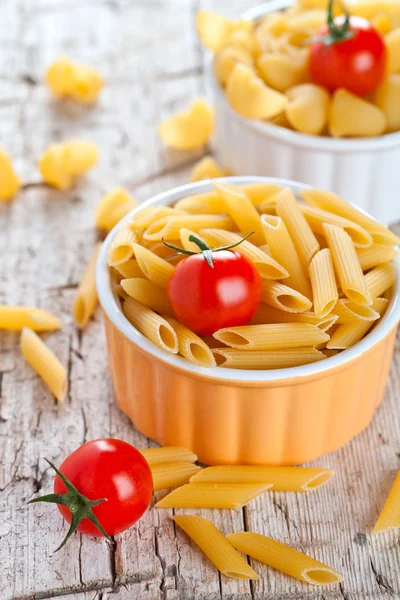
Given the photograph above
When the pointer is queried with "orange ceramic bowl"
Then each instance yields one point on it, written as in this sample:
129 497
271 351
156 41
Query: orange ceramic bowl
228 416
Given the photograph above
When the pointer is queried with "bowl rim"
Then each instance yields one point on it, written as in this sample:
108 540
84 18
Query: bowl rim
226 375
296 138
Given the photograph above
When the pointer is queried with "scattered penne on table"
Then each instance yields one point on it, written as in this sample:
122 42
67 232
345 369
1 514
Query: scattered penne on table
389 517
18 317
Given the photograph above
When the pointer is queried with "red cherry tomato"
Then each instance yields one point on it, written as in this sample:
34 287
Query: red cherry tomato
206 299
355 63
111 469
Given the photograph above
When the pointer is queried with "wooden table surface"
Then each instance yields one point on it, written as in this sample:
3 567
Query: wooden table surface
151 60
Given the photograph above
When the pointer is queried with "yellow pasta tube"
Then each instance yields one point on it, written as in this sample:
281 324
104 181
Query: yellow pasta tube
283 479
154 327
207 168
215 546
86 297
129 269
168 454
112 208
191 346
122 247
44 362
380 279
303 238
348 312
18 317
347 265
348 334
323 283
144 218
169 228
210 495
272 336
283 558
375 255
185 234
267 266
283 297
242 211
317 217
154 268
172 474
390 516
148 293
387 97
268 314
266 359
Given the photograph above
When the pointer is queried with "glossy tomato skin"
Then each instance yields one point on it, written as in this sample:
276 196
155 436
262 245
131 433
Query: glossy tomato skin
111 469
206 299
357 64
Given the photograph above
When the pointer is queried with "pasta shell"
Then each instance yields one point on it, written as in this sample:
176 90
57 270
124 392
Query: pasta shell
53 169
281 71
308 108
387 98
226 60
59 77
382 22
212 29
207 168
243 40
86 84
9 182
353 116
188 130
80 156
392 41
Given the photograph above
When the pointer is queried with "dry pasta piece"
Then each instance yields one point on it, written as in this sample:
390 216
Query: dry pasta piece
268 314
212 29
122 247
154 268
250 97
265 264
283 558
375 255
152 325
281 71
60 76
191 346
10 183
185 234
243 38
382 23
283 479
348 312
272 336
352 116
240 208
112 208
392 42
144 218
172 474
283 297
216 547
80 156
18 317
86 296
129 269
347 265
303 238
380 279
283 250
266 359
207 168
52 168
308 108
168 454
323 283
226 60
390 515
44 362
209 495
348 334
387 98
148 293
188 130
70 78
169 228
260 193
309 20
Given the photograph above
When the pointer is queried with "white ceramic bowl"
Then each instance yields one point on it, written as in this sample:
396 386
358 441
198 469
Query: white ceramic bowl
364 171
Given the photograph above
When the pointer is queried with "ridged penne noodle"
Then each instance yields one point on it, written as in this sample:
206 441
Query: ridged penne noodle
168 454
271 337
129 269
215 546
112 208
172 474
122 247
169 228
283 297
376 255
18 317
86 296
152 325
266 359
348 334
347 265
147 216
267 266
316 217
323 283
284 252
268 314
241 210
390 515
348 312
154 268
283 479
283 558
44 362
191 346
149 294
380 279
221 495
303 238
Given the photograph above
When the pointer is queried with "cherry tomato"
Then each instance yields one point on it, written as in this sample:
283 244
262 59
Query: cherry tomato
354 60
206 299
112 469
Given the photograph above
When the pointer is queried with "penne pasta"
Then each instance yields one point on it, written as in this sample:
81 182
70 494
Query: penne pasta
169 228
348 312
44 362
168 454
390 515
215 546
207 168
129 269
86 297
144 218
18 317
283 297
323 283
380 279
154 268
112 208
347 265
283 558
213 495
348 334
149 294
268 314
283 479
122 247
271 337
191 346
152 325
375 255
266 359
184 237
169 475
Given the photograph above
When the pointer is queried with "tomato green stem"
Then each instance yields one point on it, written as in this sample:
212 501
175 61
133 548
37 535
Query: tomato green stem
79 505
205 249
337 33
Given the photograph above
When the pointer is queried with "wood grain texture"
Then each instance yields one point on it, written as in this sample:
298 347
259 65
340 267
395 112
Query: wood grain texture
151 60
